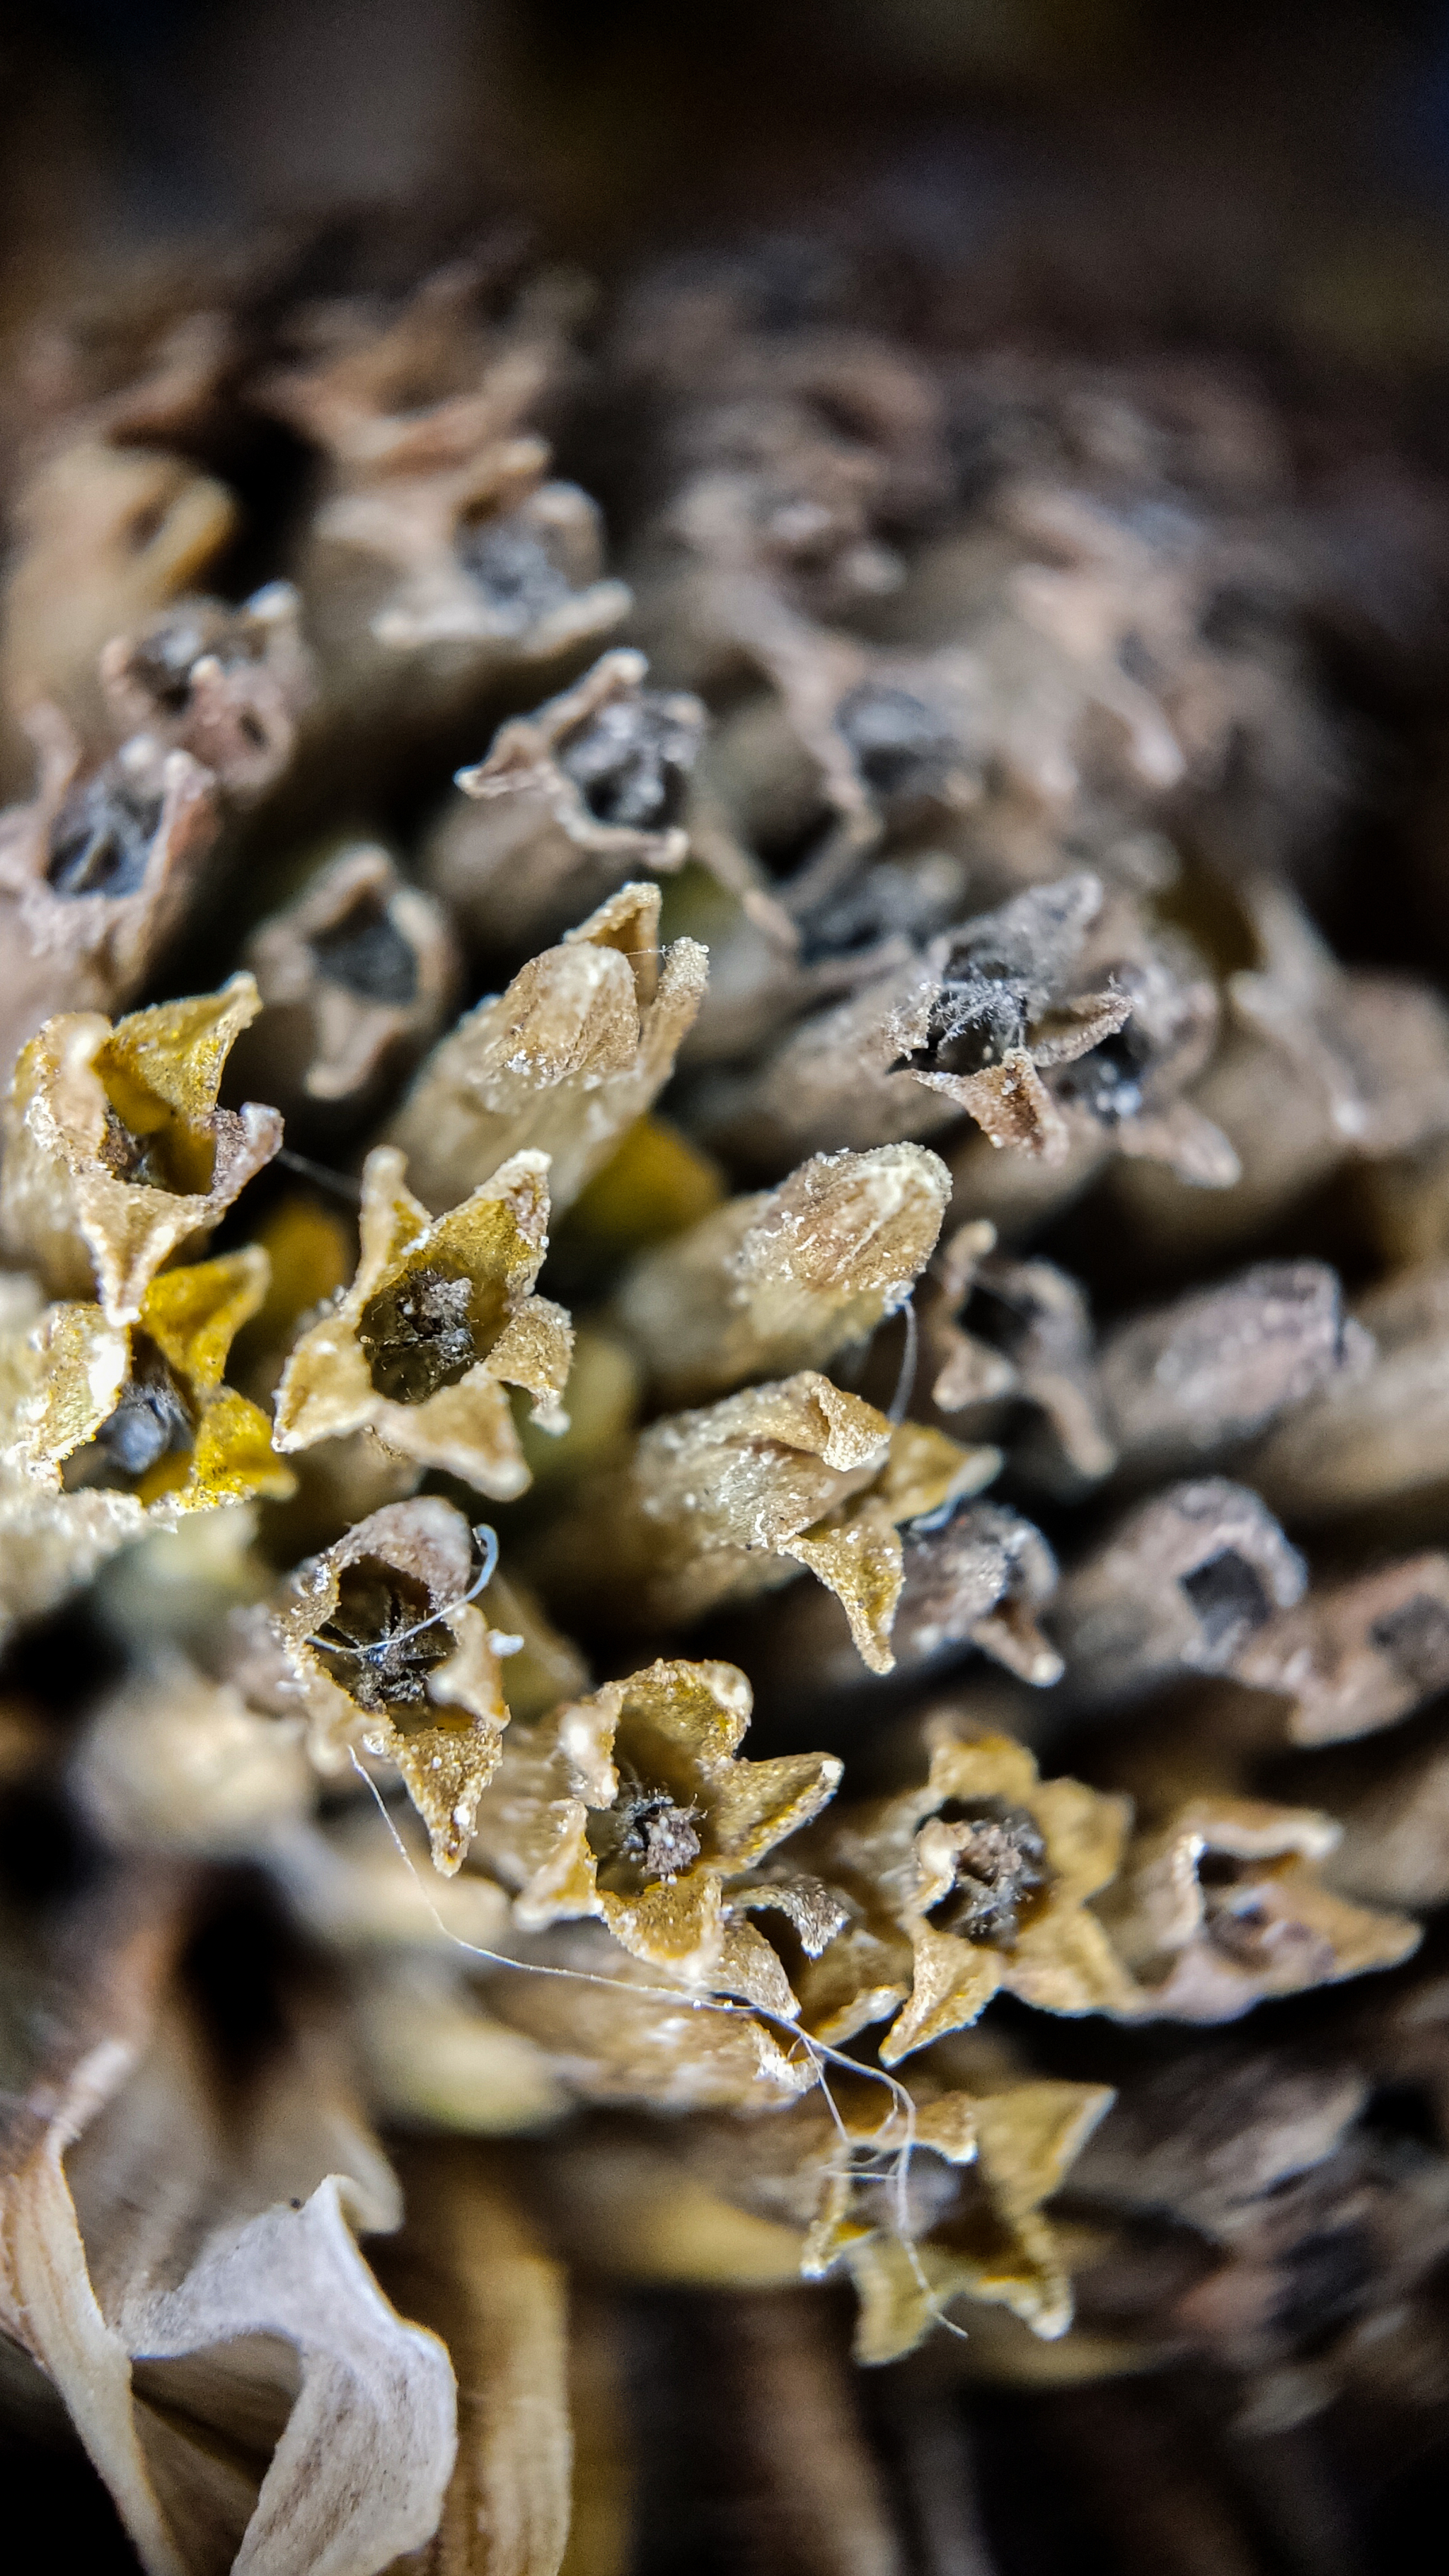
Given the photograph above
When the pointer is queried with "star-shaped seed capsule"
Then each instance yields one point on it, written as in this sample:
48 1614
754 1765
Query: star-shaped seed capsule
974 1883
117 1151
141 1409
388 1649
440 1318
722 1503
634 1805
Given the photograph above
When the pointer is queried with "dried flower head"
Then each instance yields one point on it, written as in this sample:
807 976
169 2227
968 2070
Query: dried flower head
117 1153
973 1883
785 1278
226 684
356 976
440 1317
388 1649
582 1043
96 873
716 1505
571 801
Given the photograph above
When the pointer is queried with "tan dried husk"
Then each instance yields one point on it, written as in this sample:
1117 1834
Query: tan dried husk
670 1734
86 949
893 1860
563 1063
527 856
720 1504
328 1042
155 1078
1207 1948
785 1278
449 1753
496 1241
228 685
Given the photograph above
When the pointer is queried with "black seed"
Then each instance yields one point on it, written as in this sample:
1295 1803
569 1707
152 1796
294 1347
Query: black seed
419 1336
100 841
1228 1600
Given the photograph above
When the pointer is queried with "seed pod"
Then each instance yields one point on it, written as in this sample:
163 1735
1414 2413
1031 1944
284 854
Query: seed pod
633 1805
387 1649
570 803
1217 1366
972 1883
225 684
1375 1436
1220 1906
579 1046
96 874
1355 1656
117 1154
785 1278
356 978
1183 1585
729 1501
1001 1333
440 1317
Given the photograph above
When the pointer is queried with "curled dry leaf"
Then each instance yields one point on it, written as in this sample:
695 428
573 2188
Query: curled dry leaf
1183 1584
1221 1906
440 1317
117 1153
96 873
785 1278
571 801
387 1649
634 1805
976 1882
356 978
233 2369
225 684
716 1505
564 1062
